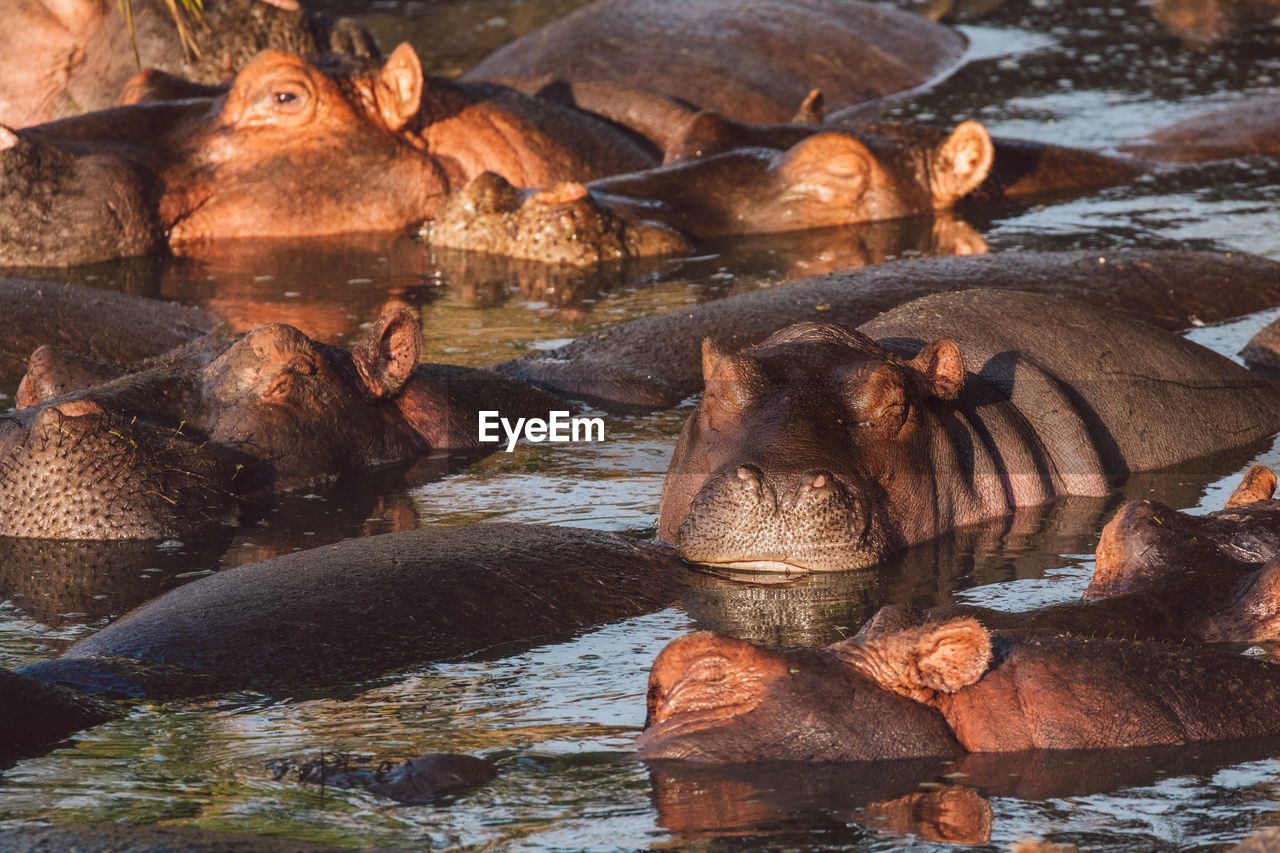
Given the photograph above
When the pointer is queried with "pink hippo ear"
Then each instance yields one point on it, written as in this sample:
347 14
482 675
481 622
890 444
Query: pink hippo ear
812 109
961 163
399 87
831 168
730 383
389 351
1258 484
939 658
942 367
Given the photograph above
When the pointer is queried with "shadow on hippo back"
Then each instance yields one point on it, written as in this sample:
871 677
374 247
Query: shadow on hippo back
823 449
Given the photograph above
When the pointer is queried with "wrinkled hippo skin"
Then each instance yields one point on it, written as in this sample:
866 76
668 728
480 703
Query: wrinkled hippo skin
773 48
361 608
240 416
654 362
826 180
1246 128
297 147
945 689
61 59
69 204
826 449
117 327
37 714
425 779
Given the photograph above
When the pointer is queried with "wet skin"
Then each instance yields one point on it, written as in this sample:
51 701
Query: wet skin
822 450
719 700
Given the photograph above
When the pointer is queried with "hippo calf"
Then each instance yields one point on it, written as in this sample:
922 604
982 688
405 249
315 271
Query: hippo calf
825 448
946 689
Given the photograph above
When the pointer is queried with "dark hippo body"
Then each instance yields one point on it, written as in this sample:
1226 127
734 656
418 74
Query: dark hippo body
229 417
425 779
820 450
719 700
1246 128
654 362
361 608
36 714
117 327
825 180
63 58
755 62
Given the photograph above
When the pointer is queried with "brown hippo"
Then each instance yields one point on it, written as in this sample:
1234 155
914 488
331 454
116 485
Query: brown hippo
753 61
37 714
286 412
1160 575
825 180
945 689
654 362
112 326
824 448
364 607
62 58
1247 127
425 779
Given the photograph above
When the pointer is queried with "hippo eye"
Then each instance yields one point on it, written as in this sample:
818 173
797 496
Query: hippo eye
286 97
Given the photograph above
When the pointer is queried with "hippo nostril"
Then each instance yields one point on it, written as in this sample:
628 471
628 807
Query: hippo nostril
748 474
816 483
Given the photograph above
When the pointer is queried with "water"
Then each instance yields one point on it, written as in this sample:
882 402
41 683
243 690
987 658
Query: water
558 719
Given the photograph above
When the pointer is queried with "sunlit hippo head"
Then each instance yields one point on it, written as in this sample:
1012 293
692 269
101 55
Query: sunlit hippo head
301 146
790 459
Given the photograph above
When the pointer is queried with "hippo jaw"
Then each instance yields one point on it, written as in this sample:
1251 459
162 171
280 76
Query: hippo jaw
739 521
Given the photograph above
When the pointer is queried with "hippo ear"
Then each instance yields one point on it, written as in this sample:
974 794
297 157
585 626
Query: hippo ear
399 87
706 133
1259 484
730 382
942 658
389 351
942 367
812 109
961 163
830 167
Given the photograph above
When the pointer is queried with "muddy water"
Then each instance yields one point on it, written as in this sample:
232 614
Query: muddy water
558 719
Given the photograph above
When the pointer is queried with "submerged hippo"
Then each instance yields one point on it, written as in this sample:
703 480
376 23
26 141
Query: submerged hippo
828 179
753 61
1245 128
64 57
283 411
825 448
365 607
654 362
945 689
425 779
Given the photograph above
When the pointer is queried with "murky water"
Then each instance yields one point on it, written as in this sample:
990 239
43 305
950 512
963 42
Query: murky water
558 719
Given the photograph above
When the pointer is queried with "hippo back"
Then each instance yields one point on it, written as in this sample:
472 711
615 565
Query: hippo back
1147 398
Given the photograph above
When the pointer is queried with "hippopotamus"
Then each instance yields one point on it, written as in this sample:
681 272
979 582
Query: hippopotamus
654 362
1201 24
946 689
426 779
63 58
300 147
825 448
116 327
1245 128
824 180
364 607
37 714
754 62
275 410
1160 575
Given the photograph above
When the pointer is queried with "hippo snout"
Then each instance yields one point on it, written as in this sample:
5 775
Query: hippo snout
748 520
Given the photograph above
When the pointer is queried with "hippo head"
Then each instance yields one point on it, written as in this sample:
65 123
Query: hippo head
806 451
303 147
717 699
564 224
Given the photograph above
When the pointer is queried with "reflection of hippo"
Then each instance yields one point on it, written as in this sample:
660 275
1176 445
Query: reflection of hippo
62 58
364 607
947 688
289 413
823 449
754 61
102 324
654 362
828 179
